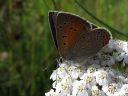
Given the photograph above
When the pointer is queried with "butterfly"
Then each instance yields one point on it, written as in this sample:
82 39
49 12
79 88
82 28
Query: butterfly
76 39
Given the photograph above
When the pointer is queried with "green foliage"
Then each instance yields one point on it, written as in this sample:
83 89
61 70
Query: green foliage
26 37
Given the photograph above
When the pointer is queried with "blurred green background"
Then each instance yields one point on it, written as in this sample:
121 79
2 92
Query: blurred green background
27 51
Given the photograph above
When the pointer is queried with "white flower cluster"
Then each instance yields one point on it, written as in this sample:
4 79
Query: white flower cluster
95 80
115 52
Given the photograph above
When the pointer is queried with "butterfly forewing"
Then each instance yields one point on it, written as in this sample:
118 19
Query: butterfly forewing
69 29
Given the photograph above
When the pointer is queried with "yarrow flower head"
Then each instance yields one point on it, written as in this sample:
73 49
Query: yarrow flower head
95 91
96 79
110 89
102 77
79 89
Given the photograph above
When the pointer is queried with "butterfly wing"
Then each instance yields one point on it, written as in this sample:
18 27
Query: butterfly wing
69 29
75 37
52 20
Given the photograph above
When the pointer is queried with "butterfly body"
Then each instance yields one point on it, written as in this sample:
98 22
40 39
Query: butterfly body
75 38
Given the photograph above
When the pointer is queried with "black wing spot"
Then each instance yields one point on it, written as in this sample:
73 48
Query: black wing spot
80 23
60 27
65 23
75 29
64 43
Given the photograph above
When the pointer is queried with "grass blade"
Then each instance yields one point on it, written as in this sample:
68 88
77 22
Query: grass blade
100 21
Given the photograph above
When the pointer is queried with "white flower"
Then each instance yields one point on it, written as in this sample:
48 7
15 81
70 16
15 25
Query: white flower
88 80
121 46
107 60
96 79
97 92
74 71
126 59
63 69
64 86
53 75
119 93
119 56
126 80
79 89
51 93
102 77
58 80
124 88
112 44
110 89
91 70
110 71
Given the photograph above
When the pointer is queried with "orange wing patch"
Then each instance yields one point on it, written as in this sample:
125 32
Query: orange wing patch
71 33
